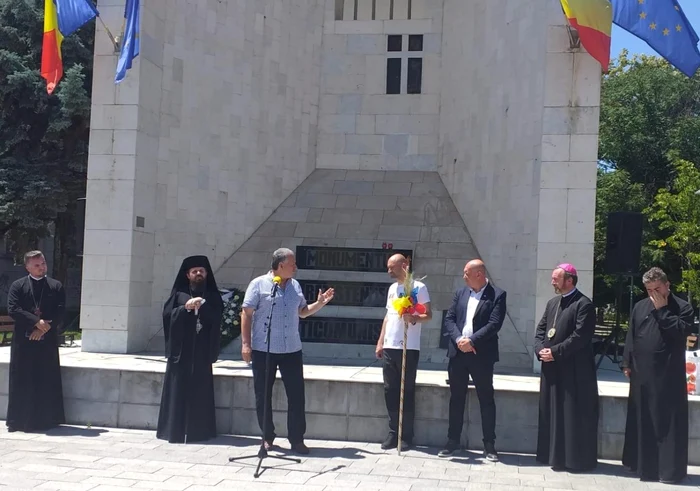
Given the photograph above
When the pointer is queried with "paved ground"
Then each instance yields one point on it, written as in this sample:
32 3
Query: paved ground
100 459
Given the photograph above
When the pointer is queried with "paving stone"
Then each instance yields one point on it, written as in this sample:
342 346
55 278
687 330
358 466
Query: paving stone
333 466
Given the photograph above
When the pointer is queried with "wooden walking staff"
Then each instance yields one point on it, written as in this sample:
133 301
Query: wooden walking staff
403 384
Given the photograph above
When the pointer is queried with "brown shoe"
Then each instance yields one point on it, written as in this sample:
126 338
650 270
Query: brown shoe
300 448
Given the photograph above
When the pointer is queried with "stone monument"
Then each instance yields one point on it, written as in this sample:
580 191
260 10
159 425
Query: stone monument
452 129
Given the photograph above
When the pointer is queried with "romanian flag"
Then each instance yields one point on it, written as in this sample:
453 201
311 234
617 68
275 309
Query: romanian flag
593 21
61 18
51 60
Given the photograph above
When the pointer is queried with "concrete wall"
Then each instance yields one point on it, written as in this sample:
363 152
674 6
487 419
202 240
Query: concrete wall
131 399
567 180
339 208
361 126
501 102
231 105
212 129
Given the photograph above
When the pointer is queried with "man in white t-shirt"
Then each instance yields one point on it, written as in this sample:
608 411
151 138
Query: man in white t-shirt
390 350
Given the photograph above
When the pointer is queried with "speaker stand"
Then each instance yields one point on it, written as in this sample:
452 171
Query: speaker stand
613 337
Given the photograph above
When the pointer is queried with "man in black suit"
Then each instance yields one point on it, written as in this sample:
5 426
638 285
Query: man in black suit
472 324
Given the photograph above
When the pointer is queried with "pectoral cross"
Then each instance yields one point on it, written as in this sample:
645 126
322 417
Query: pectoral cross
199 326
37 312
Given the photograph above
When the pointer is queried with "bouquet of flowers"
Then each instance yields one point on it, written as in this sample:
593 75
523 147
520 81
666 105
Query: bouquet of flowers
408 303
231 318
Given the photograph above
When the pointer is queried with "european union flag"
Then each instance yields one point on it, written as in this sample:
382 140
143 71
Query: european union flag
664 26
130 40
73 14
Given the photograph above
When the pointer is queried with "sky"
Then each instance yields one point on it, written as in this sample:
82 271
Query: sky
623 39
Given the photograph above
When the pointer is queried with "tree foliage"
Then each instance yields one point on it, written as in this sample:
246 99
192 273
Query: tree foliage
648 108
676 211
649 120
43 139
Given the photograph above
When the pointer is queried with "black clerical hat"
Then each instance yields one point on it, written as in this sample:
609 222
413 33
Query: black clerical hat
182 283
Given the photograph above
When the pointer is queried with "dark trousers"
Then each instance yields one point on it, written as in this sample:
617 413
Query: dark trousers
392 360
291 368
459 368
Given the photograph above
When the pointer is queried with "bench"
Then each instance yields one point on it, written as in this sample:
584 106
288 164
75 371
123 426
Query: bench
7 327
601 335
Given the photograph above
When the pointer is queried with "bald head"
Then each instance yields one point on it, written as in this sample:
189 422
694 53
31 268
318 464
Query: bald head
476 265
475 274
396 267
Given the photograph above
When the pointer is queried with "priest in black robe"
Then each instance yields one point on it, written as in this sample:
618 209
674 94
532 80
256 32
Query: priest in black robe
37 305
567 437
192 329
656 434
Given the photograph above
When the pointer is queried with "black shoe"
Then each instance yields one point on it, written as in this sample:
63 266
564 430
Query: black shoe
300 449
405 445
490 452
451 447
391 442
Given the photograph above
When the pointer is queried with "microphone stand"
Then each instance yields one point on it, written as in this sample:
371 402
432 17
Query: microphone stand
262 452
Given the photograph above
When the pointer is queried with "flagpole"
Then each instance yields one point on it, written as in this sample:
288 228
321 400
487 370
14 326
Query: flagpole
109 33
403 385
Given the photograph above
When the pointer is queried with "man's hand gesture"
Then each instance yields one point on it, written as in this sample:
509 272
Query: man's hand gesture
465 345
43 326
193 303
658 300
546 355
325 297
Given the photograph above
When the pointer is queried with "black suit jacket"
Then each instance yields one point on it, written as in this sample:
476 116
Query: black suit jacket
488 320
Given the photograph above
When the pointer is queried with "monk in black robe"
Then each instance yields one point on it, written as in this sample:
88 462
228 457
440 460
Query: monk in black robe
192 329
567 436
37 305
656 434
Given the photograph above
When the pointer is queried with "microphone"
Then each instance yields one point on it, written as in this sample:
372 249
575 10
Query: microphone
276 280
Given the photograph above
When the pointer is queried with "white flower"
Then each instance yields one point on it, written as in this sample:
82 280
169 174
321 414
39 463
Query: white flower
234 305
231 312
236 297
235 323
228 321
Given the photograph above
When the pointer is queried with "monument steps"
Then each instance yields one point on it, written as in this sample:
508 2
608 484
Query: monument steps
344 402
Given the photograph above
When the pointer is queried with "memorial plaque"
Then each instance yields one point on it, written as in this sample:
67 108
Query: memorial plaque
348 293
338 330
346 258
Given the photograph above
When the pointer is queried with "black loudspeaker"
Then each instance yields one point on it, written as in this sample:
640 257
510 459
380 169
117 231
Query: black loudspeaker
623 246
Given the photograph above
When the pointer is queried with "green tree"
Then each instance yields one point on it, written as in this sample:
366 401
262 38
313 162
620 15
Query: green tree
43 139
676 210
648 108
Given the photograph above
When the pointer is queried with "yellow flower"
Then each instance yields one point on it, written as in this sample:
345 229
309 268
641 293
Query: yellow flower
401 304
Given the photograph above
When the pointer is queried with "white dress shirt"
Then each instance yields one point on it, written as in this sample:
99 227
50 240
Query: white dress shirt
472 304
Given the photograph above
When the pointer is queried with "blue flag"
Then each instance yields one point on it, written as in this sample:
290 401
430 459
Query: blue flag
73 14
664 26
130 41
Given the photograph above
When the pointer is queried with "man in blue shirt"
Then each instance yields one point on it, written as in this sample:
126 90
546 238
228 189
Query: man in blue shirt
285 343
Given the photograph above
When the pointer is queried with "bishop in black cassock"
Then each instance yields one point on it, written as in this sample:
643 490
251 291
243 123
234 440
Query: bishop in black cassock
37 305
192 329
656 434
567 436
